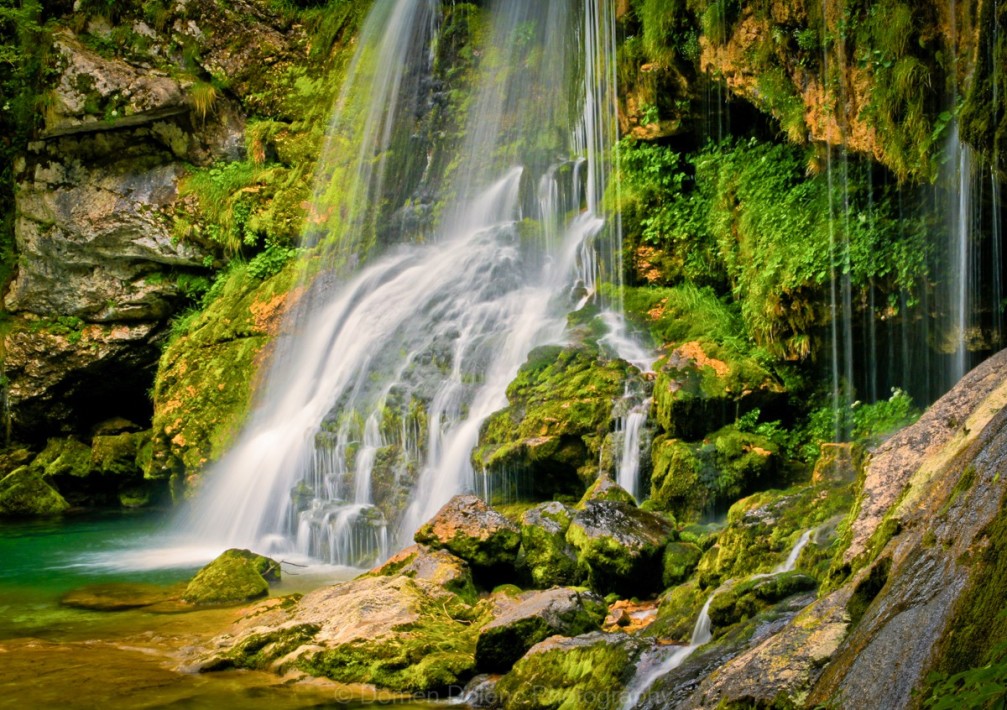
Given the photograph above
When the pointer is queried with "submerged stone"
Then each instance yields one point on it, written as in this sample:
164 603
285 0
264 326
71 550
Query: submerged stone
536 616
234 577
118 596
23 492
620 547
473 531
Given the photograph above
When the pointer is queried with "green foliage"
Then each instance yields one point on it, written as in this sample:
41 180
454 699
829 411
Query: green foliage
743 216
271 261
981 687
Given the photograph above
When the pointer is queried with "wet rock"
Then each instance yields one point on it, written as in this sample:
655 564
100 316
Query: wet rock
438 567
236 576
536 616
546 556
547 442
24 493
395 632
605 489
838 463
473 531
588 671
746 599
620 547
481 692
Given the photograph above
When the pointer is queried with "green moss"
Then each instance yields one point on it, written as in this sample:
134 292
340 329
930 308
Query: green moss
235 576
24 493
206 375
586 676
64 457
558 416
745 600
546 557
432 654
688 478
977 628
677 613
762 528
680 559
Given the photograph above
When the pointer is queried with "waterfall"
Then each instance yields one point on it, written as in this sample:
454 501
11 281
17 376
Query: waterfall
373 403
653 669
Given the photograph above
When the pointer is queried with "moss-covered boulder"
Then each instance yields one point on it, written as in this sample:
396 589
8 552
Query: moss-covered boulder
744 600
679 561
546 557
536 616
690 477
620 547
234 577
64 457
403 634
605 489
587 672
23 492
438 567
473 531
703 386
546 443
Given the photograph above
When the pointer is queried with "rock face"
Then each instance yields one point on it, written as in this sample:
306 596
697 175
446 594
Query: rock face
236 576
473 531
438 567
534 618
101 264
915 589
620 547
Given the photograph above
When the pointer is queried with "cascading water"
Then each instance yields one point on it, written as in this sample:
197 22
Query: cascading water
373 403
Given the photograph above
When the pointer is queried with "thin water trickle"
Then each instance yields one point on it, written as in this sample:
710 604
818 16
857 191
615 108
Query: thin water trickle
670 659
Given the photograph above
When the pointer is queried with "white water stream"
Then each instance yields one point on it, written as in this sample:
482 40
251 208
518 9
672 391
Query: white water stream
386 377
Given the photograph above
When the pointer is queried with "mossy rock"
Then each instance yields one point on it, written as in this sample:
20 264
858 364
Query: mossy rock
439 567
546 558
535 617
116 455
605 489
745 600
690 477
23 492
587 672
619 547
677 612
547 442
679 561
762 528
473 531
64 457
702 386
234 577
